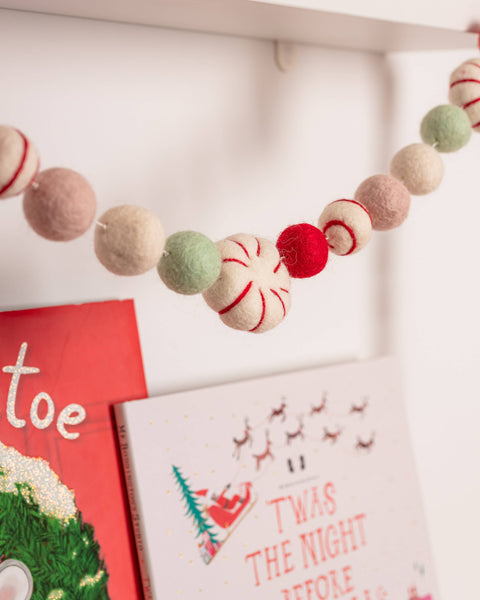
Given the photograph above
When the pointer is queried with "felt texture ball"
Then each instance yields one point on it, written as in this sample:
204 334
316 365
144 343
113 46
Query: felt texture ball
190 264
419 167
129 240
304 250
62 205
447 127
386 199
347 226
19 162
465 90
252 292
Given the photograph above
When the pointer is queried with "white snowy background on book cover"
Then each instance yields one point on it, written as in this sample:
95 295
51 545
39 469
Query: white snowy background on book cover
295 487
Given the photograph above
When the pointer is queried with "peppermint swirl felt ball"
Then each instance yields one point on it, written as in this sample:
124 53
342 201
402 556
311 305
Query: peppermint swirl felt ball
61 206
129 240
446 127
419 167
252 292
465 90
304 250
19 162
346 225
386 199
190 264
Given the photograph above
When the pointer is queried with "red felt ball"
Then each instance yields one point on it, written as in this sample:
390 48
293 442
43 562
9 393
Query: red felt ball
304 250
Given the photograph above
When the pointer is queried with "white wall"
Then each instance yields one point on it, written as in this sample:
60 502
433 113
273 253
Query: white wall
206 132
436 306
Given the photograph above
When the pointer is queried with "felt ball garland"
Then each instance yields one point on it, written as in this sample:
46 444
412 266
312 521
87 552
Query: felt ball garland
245 278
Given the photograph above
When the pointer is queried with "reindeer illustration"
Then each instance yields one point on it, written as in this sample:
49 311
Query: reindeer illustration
320 407
359 408
361 445
295 434
242 441
278 412
331 435
268 452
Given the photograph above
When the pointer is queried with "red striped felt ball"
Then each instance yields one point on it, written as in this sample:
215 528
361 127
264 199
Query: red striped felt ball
304 250
252 292
347 226
18 162
465 90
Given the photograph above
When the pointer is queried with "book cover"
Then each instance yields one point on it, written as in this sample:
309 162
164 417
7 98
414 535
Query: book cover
64 522
300 486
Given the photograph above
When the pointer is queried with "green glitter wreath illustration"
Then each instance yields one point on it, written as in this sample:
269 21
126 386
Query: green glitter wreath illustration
41 527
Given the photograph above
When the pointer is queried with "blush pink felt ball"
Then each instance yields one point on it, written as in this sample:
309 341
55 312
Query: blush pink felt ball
386 199
61 206
304 250
18 162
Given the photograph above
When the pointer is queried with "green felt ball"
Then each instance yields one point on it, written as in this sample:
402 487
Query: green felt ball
190 264
447 126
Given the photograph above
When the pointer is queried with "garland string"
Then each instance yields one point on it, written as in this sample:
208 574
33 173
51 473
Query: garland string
246 279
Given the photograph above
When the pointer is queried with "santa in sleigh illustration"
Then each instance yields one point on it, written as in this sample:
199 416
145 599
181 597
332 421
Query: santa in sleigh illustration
225 510
413 594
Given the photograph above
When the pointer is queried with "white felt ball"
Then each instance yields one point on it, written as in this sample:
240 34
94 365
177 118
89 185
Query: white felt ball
347 226
19 162
252 292
419 167
129 240
465 90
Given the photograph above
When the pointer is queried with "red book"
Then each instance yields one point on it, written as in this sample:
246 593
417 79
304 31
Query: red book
61 370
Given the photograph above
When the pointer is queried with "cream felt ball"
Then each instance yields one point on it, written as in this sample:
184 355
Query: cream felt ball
447 127
252 292
190 264
61 206
19 162
129 240
386 199
419 167
465 90
346 225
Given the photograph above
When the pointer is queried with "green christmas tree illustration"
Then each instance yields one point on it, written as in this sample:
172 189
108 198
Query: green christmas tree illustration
193 507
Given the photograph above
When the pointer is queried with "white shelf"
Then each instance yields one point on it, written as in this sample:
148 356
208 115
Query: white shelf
372 26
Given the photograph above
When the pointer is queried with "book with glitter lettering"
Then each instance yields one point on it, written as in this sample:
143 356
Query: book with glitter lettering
64 524
295 487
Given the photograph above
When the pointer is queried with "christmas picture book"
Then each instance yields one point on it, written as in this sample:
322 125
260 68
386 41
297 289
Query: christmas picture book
300 486
64 523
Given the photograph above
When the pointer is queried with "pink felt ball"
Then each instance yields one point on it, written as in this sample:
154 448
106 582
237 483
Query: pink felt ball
386 199
18 162
61 206
304 250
